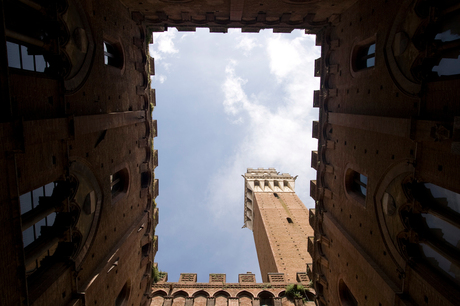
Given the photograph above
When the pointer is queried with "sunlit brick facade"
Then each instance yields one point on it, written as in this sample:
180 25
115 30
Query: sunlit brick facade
217 292
279 221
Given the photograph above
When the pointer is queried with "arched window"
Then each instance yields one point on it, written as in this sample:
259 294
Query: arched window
435 222
364 56
123 296
266 298
356 185
244 298
38 214
119 182
346 297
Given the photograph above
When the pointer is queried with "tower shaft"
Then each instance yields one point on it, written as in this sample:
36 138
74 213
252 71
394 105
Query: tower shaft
279 221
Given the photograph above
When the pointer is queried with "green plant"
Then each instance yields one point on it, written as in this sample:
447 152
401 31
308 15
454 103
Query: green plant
157 275
296 291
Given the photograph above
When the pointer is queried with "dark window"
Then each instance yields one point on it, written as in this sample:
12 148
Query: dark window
112 55
438 229
364 57
146 249
29 201
356 183
266 299
119 182
346 297
22 57
289 220
145 179
122 298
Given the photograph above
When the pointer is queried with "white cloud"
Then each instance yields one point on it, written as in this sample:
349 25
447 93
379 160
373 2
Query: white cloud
286 55
246 44
161 78
235 97
165 41
162 49
278 137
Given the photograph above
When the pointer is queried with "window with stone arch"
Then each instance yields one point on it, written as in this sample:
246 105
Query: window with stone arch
38 215
266 298
356 185
432 235
244 298
221 298
421 225
346 296
364 55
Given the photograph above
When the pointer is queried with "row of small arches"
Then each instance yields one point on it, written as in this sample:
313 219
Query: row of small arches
262 295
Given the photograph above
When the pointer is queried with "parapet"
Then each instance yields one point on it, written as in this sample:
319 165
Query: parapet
245 278
188 278
213 293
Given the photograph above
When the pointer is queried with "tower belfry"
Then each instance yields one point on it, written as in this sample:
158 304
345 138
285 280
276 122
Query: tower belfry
279 221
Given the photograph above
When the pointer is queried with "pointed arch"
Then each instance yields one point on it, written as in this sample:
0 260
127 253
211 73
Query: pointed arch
245 293
265 295
180 293
200 293
160 292
221 293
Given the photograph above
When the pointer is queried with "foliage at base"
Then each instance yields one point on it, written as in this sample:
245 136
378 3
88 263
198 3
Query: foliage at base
157 275
296 291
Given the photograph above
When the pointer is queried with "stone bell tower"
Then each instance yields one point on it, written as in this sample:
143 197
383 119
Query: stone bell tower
279 222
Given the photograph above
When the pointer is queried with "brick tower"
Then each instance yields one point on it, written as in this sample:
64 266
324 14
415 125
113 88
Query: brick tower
279 221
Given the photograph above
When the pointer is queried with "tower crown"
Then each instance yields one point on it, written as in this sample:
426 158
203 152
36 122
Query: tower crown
263 181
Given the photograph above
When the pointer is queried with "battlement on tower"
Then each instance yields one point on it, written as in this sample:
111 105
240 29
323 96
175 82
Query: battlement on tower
264 181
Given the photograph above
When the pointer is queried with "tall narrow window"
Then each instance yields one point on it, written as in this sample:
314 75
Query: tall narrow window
119 182
36 216
356 185
145 179
112 55
346 297
437 228
364 56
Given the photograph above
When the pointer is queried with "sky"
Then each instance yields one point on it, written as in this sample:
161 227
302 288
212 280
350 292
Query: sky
225 103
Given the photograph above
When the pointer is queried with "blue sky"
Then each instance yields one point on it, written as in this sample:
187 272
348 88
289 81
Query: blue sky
226 102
